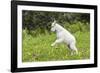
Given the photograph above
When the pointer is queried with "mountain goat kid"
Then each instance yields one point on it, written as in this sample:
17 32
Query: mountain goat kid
64 36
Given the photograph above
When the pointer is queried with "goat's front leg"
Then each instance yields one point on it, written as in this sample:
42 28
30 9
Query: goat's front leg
57 41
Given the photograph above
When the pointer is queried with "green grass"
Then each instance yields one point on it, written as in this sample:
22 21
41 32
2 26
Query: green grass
39 48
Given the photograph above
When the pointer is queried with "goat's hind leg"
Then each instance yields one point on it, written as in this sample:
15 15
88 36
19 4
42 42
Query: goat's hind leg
73 48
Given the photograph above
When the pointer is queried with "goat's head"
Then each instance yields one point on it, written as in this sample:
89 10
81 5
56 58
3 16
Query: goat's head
53 26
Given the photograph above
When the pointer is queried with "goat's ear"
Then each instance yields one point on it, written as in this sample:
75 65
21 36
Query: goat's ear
55 21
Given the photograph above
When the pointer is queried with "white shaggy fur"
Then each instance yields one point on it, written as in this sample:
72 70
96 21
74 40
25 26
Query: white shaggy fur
64 36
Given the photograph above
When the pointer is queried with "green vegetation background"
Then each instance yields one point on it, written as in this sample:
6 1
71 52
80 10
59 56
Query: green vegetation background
37 37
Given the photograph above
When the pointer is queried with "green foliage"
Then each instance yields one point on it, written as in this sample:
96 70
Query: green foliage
79 26
41 20
39 48
74 28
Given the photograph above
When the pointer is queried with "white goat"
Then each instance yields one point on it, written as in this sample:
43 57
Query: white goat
64 36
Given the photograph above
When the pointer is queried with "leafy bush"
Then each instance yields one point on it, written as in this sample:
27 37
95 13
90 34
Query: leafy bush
74 28
41 20
77 26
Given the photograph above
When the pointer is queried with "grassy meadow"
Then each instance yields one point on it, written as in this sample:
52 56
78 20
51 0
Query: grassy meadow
38 48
